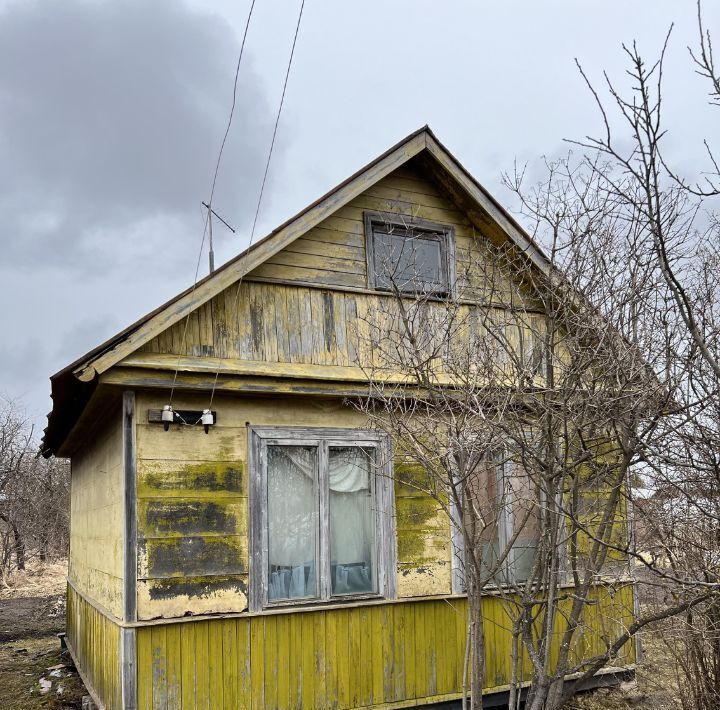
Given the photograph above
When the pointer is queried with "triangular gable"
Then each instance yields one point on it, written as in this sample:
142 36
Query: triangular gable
475 201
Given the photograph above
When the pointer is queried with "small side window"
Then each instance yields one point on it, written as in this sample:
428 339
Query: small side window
407 255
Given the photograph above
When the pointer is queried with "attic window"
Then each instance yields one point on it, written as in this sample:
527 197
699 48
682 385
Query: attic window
408 255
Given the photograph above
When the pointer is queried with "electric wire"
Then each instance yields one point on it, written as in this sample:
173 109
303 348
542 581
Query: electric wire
212 189
265 174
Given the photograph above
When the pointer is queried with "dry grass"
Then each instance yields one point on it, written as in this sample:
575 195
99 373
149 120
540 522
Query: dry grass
654 688
38 580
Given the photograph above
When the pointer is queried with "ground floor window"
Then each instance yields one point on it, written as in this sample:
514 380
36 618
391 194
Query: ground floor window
501 509
321 516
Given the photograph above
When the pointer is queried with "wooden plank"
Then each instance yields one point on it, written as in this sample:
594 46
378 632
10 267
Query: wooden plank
217 665
159 668
357 670
285 661
317 328
295 677
257 664
318 262
341 338
245 685
331 660
241 298
188 656
257 318
174 665
204 694
294 325
343 658
282 323
289 272
306 324
270 660
388 662
269 329
219 325
365 680
322 698
145 666
308 660
309 245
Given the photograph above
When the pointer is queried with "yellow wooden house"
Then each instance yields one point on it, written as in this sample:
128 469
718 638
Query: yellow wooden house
264 564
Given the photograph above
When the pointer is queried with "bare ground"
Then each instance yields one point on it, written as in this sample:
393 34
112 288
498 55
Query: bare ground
34 672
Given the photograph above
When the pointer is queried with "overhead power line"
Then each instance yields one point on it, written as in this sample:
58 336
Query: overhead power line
267 169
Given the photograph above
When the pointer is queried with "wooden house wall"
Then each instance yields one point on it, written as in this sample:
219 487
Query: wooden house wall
97 516
95 643
193 506
402 654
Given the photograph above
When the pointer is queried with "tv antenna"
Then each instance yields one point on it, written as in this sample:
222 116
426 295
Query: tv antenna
211 212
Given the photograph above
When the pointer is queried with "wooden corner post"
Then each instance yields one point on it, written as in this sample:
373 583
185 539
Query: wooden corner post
128 650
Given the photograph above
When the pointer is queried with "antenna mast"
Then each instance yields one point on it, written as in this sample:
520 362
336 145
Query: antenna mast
211 212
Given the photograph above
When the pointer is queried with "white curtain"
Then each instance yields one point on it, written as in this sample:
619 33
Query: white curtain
292 521
351 520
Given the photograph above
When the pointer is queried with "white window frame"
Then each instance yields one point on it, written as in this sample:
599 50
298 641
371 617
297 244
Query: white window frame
385 552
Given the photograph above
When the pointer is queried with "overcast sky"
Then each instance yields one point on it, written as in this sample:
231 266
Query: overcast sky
111 115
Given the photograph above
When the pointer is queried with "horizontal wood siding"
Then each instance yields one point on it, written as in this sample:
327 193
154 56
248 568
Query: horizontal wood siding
95 642
96 509
396 655
192 516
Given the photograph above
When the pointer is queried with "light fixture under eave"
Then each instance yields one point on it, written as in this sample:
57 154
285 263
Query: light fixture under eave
207 420
168 416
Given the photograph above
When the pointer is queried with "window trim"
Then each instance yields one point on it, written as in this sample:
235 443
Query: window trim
384 505
444 233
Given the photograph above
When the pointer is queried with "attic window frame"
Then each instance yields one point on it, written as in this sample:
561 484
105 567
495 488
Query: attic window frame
442 233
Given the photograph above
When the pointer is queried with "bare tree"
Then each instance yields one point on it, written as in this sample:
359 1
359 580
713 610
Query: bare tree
34 505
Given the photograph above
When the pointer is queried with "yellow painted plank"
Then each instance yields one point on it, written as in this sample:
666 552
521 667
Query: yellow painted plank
354 658
187 651
308 660
331 660
366 658
320 669
245 700
217 665
159 668
174 666
342 657
144 669
271 624
257 663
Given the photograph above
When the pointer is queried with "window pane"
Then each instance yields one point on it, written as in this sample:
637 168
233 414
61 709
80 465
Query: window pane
407 262
483 515
292 521
526 525
352 564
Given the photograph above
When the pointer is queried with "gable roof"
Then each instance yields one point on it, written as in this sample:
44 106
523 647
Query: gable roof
72 386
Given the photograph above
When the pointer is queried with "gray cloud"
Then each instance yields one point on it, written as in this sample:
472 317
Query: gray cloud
110 119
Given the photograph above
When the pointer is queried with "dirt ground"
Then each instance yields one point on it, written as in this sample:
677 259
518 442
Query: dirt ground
34 672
